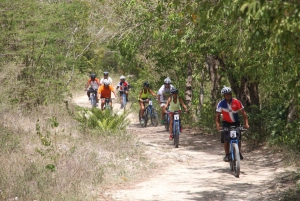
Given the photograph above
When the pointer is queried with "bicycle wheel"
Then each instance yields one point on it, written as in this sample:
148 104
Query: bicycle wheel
237 160
93 100
154 117
176 135
166 122
124 100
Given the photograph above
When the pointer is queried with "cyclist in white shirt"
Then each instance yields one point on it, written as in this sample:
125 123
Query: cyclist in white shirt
105 76
163 94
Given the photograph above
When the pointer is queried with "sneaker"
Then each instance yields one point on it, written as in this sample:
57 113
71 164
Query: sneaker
241 156
162 122
171 137
142 121
227 158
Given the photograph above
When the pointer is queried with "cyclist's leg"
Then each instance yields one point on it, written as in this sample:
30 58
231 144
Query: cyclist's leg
171 124
110 103
88 92
121 99
163 111
142 108
102 103
126 92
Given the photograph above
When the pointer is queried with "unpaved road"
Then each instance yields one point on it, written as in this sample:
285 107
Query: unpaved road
195 170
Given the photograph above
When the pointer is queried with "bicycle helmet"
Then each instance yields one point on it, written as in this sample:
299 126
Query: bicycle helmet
146 84
122 77
225 90
93 75
106 82
105 73
174 91
167 80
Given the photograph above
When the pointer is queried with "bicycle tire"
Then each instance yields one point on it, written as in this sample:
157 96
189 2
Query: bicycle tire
237 160
231 162
124 100
166 122
154 117
93 100
176 135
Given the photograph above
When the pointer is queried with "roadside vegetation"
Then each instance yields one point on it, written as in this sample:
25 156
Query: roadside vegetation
53 150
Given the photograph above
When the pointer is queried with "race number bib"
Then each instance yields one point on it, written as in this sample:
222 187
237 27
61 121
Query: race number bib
233 134
150 102
176 116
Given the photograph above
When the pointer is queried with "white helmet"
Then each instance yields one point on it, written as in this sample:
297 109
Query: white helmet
167 80
106 82
226 90
122 77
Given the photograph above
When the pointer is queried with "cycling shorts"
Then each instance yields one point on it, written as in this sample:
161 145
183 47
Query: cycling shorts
225 137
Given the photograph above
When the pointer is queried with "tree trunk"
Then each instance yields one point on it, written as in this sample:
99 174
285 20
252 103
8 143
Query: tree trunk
212 64
188 86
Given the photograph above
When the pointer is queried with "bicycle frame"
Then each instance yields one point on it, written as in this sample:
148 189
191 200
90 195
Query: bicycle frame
167 119
106 104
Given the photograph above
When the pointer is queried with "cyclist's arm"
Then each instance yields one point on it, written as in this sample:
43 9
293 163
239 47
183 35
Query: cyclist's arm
246 124
153 94
87 84
217 121
182 103
168 102
140 94
99 93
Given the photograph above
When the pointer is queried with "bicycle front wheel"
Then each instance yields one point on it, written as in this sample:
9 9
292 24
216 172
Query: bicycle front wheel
93 101
124 100
176 135
237 160
154 117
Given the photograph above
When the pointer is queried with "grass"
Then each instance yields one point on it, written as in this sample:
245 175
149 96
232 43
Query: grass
46 156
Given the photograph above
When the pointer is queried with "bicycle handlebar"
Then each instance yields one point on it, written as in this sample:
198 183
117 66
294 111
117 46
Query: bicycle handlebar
241 128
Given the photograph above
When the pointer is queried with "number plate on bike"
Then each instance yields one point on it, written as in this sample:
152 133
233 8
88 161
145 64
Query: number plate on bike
176 116
233 134
150 102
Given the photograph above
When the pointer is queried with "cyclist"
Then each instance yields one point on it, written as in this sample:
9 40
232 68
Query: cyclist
143 97
105 76
163 94
123 87
229 108
104 92
94 84
174 101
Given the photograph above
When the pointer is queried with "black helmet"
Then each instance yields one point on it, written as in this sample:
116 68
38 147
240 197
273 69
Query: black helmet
105 73
93 75
146 84
174 91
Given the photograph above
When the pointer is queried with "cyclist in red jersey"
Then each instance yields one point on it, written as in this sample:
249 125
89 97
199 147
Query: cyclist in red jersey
229 108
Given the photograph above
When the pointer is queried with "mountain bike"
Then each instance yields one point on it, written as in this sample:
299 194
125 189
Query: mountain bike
150 113
234 133
176 128
93 97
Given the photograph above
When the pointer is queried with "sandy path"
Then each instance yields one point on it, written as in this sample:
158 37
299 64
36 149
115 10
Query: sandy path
195 170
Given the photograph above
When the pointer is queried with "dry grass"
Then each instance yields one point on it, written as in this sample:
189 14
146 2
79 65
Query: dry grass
76 166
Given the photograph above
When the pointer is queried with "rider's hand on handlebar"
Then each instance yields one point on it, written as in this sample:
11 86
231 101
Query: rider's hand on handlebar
246 126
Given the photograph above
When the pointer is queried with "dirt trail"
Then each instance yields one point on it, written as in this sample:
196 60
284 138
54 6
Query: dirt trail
195 170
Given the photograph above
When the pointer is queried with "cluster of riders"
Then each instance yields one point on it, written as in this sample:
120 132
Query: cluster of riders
168 98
